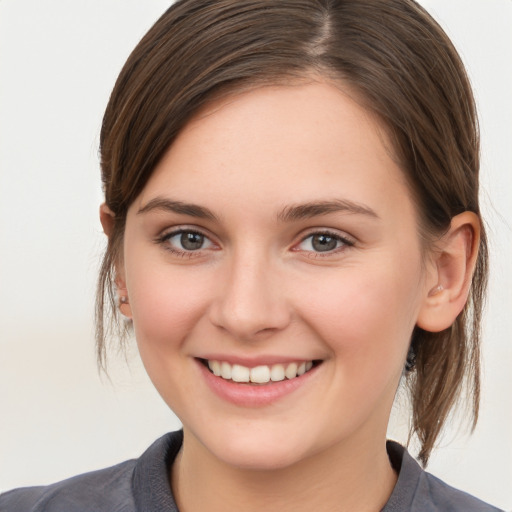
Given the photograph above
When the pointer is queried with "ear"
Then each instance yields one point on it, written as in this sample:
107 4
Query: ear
107 217
453 263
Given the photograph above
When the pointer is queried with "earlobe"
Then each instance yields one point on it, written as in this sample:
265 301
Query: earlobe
123 299
453 262
107 217
124 304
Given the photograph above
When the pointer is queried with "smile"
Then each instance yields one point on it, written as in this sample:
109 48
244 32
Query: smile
257 385
261 374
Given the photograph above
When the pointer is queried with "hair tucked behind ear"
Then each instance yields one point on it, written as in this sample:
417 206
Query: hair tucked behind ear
403 68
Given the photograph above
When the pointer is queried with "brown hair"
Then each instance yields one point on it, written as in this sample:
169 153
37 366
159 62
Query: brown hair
402 65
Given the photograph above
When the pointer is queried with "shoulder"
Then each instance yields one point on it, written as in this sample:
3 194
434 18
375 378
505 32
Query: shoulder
442 496
419 491
104 490
138 484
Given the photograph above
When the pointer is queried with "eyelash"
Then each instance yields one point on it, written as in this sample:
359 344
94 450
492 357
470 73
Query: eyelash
184 253
344 241
166 237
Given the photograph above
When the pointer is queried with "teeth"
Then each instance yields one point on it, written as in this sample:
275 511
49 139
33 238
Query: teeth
215 367
259 374
240 373
225 370
291 370
277 373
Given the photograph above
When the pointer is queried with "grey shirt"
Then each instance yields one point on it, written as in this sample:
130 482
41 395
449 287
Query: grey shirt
142 485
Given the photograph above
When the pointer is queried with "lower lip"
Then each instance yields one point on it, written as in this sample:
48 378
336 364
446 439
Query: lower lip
253 395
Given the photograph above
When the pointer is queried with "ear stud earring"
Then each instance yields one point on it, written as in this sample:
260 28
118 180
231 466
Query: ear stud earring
123 300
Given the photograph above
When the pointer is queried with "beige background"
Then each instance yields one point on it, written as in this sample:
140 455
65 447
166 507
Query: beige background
58 62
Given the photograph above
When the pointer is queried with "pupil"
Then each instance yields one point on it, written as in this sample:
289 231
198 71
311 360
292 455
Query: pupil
191 241
322 243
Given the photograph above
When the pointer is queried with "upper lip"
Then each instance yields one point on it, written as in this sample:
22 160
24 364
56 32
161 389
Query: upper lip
251 362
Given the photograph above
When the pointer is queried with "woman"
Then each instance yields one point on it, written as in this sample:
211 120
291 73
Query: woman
291 204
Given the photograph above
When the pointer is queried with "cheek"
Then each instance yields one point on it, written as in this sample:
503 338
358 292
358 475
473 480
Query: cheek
166 307
166 304
366 314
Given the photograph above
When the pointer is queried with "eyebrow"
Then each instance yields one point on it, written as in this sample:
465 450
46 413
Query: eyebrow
288 214
316 208
169 205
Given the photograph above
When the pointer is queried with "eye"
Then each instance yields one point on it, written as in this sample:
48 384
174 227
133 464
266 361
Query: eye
323 242
186 240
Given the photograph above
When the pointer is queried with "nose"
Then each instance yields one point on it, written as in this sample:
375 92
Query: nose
251 301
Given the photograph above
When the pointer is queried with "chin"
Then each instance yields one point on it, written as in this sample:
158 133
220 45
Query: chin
258 458
257 451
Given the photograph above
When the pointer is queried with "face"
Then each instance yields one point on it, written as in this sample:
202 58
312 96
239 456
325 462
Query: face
276 240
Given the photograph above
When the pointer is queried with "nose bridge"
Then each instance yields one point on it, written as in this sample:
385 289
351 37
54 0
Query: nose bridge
251 298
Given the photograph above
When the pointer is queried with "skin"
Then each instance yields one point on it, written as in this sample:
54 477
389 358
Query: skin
257 288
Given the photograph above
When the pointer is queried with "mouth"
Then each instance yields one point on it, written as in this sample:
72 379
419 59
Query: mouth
261 374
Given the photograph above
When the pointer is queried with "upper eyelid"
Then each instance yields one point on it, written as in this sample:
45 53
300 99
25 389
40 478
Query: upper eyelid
169 232
347 243
331 232
163 240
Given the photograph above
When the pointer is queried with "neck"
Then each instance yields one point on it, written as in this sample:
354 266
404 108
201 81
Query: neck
352 477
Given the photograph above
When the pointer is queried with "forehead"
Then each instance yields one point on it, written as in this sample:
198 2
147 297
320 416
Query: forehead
303 140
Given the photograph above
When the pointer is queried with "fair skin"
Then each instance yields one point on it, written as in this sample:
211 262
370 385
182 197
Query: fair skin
298 243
